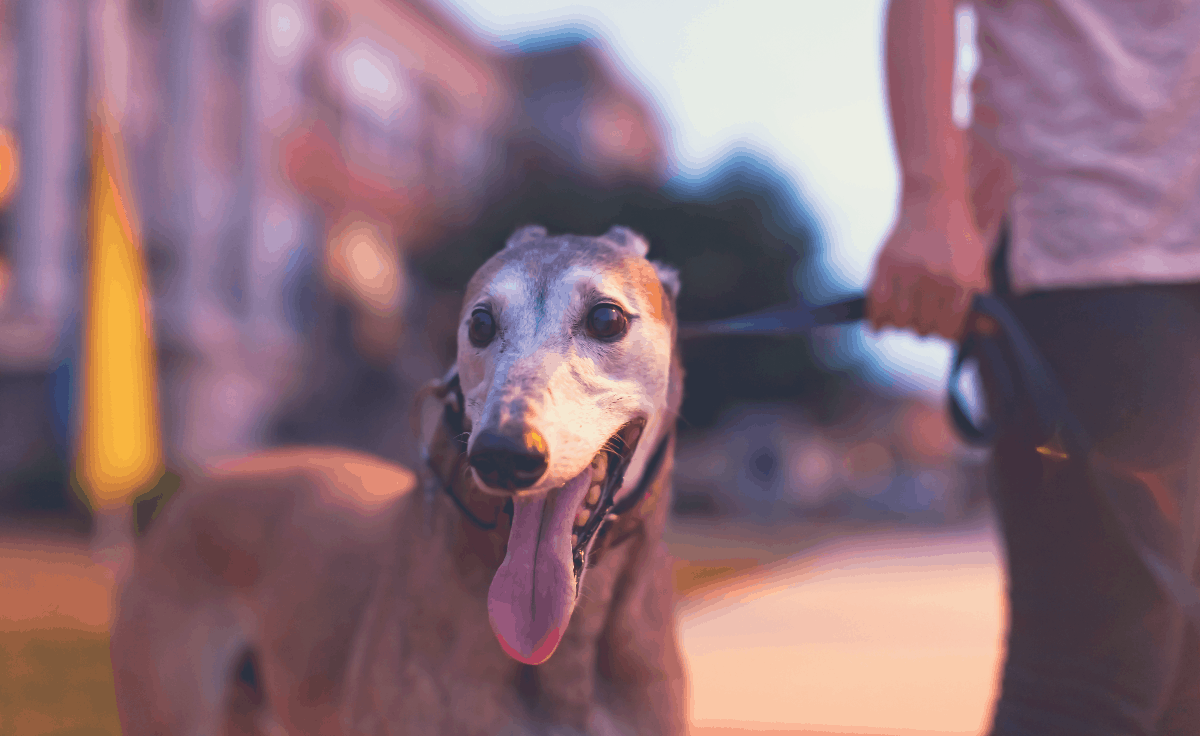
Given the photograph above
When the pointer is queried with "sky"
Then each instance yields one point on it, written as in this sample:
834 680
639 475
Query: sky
799 80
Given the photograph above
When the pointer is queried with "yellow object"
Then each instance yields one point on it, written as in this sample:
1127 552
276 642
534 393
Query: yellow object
120 448
10 165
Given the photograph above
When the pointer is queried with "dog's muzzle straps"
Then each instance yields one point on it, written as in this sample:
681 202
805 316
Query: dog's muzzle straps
453 418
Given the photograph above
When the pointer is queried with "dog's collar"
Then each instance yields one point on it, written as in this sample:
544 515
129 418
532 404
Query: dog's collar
608 512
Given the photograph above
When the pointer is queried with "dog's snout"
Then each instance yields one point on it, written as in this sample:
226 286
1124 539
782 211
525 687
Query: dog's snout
510 460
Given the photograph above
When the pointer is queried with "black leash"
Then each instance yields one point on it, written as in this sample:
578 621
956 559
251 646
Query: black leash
794 319
1027 367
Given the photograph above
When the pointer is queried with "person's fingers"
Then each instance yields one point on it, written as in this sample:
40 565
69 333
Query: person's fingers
930 313
960 310
879 298
921 312
903 290
894 316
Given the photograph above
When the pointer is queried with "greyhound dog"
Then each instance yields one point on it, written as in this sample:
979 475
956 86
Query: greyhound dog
520 587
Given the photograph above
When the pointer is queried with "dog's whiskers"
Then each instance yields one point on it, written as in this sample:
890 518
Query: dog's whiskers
610 445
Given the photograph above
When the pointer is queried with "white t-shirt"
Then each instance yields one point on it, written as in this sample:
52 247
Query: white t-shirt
1097 105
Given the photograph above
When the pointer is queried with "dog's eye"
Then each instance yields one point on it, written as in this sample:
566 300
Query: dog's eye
606 322
482 328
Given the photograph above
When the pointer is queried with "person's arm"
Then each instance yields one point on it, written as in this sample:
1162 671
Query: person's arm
990 182
920 49
933 261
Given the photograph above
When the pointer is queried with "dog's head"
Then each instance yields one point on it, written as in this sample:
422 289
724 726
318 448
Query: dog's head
565 348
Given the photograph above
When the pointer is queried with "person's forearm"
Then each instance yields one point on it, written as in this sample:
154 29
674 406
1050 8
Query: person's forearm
920 49
991 185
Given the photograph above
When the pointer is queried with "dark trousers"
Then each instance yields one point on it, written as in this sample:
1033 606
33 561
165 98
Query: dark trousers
1093 646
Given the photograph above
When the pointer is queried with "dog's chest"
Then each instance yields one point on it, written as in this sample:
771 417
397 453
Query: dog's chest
460 683
428 662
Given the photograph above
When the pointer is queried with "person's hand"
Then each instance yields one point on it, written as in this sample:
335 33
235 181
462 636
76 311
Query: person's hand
931 266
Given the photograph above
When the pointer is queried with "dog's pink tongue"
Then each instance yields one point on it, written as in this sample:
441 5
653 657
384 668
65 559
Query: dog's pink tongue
533 593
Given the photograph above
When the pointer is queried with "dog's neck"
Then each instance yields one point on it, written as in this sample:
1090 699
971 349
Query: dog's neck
565 688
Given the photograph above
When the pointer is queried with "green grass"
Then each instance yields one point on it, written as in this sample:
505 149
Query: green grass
56 682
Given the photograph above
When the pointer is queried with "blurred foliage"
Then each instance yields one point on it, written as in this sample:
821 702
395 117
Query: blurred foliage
6 232
150 503
34 463
56 682
738 242
39 486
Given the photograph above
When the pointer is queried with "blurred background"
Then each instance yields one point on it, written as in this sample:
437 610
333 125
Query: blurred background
310 184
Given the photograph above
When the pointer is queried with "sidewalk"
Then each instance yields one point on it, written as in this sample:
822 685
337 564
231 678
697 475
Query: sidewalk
865 631
55 674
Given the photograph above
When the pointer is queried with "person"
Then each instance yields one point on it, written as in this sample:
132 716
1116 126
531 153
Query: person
1077 182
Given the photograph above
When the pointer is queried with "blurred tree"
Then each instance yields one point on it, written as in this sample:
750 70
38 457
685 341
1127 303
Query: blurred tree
737 247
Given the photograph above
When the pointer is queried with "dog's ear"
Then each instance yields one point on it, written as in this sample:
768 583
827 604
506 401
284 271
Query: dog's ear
668 276
525 234
628 240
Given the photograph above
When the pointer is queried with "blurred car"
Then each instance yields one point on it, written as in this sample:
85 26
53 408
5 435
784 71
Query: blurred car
882 460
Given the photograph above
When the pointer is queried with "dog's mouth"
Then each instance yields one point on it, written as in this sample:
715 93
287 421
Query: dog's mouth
608 474
533 593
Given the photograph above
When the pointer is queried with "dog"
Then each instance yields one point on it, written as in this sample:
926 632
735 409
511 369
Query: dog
520 586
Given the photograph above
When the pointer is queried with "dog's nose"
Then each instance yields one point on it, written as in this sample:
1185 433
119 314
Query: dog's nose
509 460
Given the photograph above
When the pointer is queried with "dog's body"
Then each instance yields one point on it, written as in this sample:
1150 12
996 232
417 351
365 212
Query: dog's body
319 591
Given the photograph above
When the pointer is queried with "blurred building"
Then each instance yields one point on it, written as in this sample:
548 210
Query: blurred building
230 111
41 190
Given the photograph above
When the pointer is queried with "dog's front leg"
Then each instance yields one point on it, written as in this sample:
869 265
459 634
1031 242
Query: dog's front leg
639 656
173 667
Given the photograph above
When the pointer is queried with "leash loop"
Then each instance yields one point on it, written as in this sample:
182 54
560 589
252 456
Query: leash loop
1027 368
1055 418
